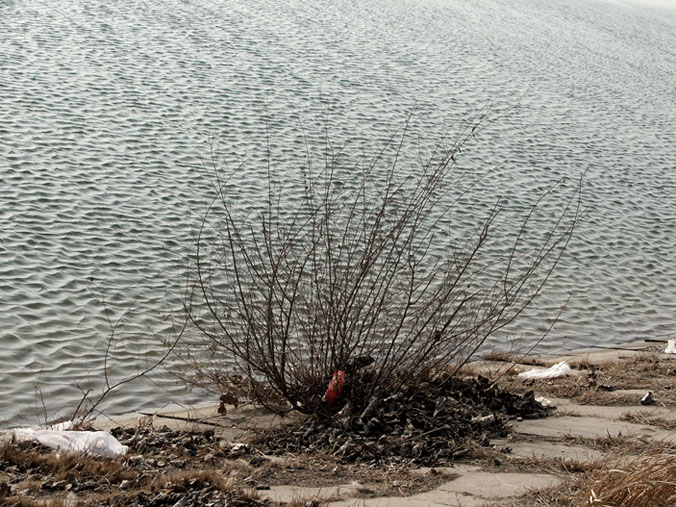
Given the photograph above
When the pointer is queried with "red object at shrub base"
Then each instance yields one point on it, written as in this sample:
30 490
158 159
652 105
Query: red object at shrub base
335 386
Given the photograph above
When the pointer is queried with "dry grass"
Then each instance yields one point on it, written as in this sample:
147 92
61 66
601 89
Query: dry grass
641 418
40 477
32 475
323 470
17 501
648 479
554 496
636 474
62 466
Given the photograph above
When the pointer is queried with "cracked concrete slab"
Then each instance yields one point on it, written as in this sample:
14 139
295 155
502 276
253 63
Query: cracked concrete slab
288 494
473 488
392 501
589 427
611 412
550 450
598 356
495 485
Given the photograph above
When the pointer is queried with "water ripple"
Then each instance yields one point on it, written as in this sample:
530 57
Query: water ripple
108 107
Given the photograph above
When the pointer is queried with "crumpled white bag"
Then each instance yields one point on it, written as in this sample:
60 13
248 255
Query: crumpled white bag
558 370
97 443
671 347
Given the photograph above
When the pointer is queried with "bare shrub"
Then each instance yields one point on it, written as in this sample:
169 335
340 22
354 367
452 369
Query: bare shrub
349 265
92 398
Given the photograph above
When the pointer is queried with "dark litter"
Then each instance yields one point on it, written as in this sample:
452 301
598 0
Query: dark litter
432 423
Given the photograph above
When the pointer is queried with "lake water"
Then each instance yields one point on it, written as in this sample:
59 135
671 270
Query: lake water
108 109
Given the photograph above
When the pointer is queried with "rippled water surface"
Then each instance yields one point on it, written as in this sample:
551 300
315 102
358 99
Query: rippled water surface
108 108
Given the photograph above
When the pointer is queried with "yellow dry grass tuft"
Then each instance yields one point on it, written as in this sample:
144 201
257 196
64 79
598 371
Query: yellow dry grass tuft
62 466
647 480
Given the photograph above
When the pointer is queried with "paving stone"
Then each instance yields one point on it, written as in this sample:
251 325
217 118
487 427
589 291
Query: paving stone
585 427
611 412
393 502
472 488
495 485
548 450
288 494
598 356
457 468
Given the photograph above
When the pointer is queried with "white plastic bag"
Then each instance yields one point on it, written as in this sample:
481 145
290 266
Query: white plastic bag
97 443
558 370
671 347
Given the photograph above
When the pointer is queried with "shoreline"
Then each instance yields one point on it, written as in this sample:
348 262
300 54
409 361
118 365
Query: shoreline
601 426
208 411
176 415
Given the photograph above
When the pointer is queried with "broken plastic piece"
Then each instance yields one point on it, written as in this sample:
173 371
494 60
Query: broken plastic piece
671 347
97 443
558 370
545 402
335 388
648 398
483 420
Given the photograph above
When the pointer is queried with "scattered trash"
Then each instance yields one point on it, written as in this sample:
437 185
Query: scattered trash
648 398
335 388
671 347
545 402
558 370
236 449
483 420
97 443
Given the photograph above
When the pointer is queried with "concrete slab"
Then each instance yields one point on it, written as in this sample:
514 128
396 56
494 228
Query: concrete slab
550 450
233 426
472 488
289 494
612 412
457 468
585 427
394 502
494 485
345 492
637 393
598 356
491 368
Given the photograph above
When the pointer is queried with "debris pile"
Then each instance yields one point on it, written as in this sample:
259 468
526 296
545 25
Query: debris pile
430 423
